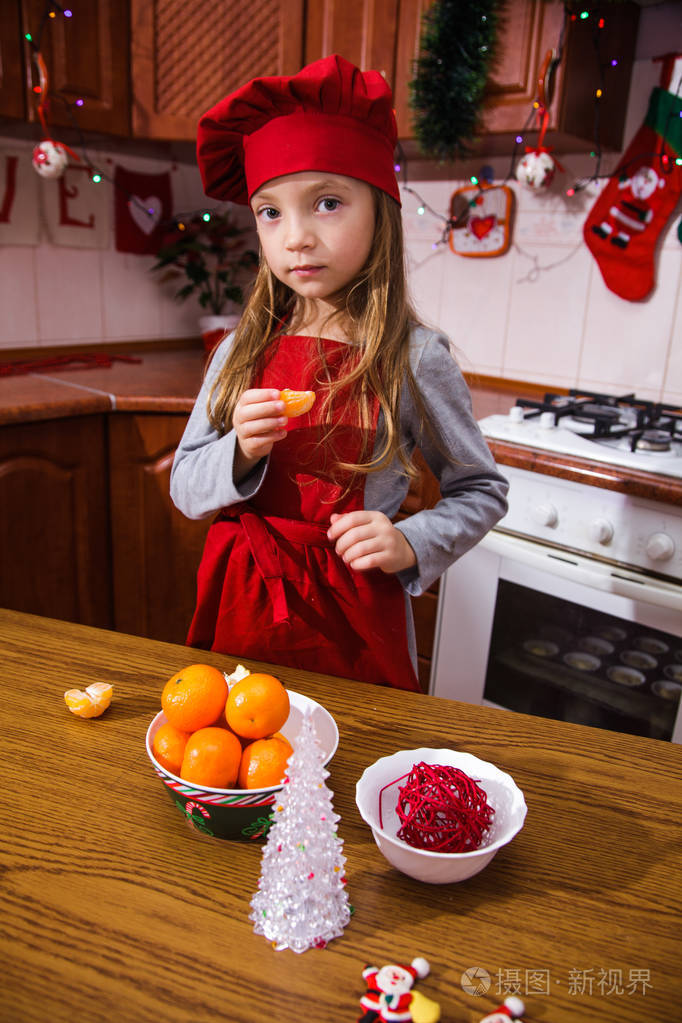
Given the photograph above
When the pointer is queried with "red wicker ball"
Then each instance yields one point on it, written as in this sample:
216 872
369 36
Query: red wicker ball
442 809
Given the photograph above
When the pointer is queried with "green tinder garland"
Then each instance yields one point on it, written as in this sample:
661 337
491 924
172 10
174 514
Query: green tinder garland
447 91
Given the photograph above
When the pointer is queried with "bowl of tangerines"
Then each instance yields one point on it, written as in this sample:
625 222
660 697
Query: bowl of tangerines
221 743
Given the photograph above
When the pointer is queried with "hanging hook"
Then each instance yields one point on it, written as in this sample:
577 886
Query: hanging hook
546 75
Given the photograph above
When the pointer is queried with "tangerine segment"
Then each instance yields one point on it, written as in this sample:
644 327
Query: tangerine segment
212 757
168 746
296 403
257 706
89 703
194 697
264 763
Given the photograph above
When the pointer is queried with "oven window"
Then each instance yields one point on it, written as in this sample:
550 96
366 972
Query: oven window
556 659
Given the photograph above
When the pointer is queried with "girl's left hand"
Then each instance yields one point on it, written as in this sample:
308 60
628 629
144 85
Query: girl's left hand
368 539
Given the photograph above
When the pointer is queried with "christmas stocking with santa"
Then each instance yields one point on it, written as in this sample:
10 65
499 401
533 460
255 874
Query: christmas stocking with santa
626 220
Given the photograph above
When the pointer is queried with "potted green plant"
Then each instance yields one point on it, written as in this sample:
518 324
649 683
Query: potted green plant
210 250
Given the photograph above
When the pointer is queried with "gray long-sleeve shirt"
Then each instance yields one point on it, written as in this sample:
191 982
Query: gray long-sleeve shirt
473 491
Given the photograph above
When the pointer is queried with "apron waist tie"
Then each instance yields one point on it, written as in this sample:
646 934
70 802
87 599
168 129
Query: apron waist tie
261 533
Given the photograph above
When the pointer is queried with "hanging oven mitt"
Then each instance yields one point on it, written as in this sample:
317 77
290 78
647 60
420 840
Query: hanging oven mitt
625 222
480 217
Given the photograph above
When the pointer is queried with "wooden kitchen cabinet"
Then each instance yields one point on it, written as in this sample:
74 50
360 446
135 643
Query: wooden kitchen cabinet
362 31
424 492
186 57
383 35
386 35
54 520
529 31
86 57
155 549
150 68
176 75
88 532
12 88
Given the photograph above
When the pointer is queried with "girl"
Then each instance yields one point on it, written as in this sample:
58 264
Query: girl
303 565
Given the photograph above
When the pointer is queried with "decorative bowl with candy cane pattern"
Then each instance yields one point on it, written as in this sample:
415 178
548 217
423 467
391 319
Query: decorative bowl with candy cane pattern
242 814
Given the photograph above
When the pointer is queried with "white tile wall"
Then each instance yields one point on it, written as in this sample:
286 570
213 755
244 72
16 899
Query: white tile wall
672 382
540 313
69 294
55 295
18 296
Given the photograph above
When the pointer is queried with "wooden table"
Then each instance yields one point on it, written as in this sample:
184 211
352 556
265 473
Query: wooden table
112 909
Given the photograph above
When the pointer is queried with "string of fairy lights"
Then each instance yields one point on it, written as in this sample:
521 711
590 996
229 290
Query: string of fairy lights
44 93
485 177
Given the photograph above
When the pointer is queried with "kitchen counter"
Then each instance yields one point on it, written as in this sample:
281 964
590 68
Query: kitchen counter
161 381
169 380
114 910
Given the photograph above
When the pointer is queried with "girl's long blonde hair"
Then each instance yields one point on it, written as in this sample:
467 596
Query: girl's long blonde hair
376 316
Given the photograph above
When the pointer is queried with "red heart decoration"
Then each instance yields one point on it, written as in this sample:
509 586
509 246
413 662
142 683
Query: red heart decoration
481 226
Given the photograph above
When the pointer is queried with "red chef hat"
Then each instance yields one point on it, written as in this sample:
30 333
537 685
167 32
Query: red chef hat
329 117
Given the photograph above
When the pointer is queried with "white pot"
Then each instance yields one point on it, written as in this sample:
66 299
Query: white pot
214 328
225 322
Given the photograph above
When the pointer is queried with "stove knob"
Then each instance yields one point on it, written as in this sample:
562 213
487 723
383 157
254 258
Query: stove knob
516 414
547 421
546 514
601 531
660 547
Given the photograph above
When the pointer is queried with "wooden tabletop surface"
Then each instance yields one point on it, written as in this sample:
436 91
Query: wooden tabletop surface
112 909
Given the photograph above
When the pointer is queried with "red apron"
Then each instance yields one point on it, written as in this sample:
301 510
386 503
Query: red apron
270 585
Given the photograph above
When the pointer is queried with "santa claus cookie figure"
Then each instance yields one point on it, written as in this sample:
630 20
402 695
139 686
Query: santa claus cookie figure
390 997
512 1008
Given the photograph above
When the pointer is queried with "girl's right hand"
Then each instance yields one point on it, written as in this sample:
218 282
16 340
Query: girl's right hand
259 421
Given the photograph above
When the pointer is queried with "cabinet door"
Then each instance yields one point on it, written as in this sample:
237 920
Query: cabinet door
155 550
86 57
12 85
54 525
528 29
186 57
424 492
407 53
362 31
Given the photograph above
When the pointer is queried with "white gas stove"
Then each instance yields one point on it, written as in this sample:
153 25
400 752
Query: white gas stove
571 607
602 523
623 431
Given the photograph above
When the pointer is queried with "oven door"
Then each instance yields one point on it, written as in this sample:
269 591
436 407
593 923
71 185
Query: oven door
538 630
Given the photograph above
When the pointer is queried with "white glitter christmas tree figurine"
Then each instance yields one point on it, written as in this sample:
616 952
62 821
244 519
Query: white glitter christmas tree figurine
301 900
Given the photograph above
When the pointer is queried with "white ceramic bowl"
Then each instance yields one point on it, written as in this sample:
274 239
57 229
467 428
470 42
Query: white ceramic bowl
421 864
242 814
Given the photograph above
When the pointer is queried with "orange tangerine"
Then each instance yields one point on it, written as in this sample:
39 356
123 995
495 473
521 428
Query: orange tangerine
194 697
212 757
296 402
89 703
257 706
168 746
264 762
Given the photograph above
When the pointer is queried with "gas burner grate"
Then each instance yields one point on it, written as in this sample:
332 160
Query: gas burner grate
612 416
